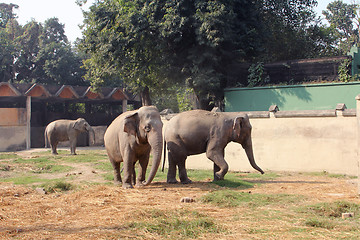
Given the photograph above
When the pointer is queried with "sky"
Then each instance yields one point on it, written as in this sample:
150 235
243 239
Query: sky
67 11
70 14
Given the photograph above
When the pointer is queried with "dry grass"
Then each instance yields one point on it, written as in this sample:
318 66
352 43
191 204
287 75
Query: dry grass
279 208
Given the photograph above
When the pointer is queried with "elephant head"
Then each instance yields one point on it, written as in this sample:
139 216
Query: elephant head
83 126
146 125
242 134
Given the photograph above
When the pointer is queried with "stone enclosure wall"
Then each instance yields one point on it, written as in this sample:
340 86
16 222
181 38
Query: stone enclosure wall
305 141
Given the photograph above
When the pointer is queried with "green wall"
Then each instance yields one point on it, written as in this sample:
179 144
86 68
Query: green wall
295 97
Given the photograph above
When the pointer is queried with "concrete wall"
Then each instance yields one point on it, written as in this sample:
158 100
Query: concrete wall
12 129
12 138
295 97
285 143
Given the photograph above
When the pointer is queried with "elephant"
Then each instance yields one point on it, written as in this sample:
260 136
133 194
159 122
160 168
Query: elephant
131 137
199 131
66 130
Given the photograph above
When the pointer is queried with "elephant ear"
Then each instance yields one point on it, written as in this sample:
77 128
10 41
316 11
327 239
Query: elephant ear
78 124
237 125
130 123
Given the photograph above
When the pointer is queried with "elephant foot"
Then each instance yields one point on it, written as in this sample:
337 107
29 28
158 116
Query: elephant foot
116 182
140 184
218 177
127 185
54 153
172 181
73 154
187 181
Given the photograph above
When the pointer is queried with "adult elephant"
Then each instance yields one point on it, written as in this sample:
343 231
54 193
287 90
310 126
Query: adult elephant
131 137
66 130
198 131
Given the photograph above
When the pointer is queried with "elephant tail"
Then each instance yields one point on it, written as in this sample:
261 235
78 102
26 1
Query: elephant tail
46 138
163 166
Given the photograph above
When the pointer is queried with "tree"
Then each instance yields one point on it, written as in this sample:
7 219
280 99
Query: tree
6 13
341 17
39 53
291 30
155 43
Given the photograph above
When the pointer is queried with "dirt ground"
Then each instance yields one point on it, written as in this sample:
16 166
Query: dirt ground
103 211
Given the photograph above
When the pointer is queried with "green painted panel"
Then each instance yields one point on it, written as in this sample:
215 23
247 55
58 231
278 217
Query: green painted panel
297 97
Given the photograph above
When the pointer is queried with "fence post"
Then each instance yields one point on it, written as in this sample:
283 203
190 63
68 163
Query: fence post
28 122
358 137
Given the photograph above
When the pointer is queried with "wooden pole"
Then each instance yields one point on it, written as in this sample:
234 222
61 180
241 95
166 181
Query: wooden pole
28 122
124 105
358 137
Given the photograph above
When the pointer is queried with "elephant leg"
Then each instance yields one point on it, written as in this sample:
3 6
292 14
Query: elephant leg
218 159
133 175
117 176
129 160
171 175
73 147
182 172
216 169
53 147
143 164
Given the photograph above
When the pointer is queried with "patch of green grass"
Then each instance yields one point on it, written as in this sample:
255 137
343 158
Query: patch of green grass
104 166
83 157
327 174
181 224
319 223
230 198
334 209
34 160
108 176
25 180
45 168
57 186
258 176
8 155
5 168
233 184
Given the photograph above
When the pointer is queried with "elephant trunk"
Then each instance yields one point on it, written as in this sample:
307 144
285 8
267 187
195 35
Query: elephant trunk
92 136
156 143
249 152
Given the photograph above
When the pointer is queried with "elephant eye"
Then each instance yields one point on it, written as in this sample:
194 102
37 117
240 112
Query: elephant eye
147 128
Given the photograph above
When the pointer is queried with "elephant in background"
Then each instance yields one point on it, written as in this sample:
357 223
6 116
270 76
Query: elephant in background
199 131
131 137
66 130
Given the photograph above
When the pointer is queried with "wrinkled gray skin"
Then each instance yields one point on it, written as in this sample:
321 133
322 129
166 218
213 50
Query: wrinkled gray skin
66 130
131 137
200 131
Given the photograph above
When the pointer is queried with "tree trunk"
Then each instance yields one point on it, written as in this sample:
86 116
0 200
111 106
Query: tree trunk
145 97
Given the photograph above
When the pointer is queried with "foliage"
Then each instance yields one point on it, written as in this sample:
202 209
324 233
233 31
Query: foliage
256 75
290 30
183 99
6 13
157 43
37 52
343 71
341 17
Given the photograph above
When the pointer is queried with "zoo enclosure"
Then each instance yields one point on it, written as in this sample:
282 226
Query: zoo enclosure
26 109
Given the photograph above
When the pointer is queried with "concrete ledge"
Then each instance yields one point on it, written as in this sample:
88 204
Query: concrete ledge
305 113
258 114
349 113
